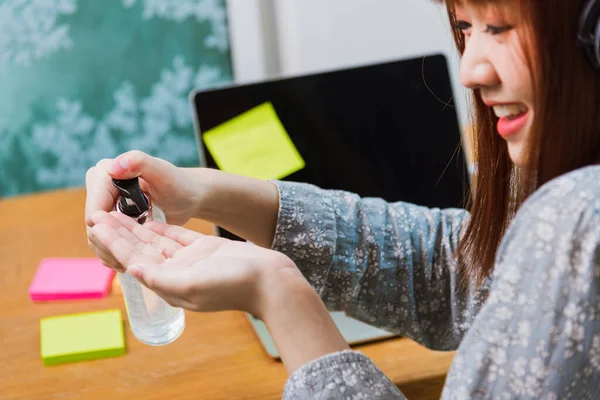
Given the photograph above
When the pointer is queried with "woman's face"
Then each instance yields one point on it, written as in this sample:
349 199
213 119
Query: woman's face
494 62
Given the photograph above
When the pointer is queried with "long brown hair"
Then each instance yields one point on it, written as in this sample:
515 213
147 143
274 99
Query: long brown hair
565 134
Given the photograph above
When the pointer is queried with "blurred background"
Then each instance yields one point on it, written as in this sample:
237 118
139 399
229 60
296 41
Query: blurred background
82 80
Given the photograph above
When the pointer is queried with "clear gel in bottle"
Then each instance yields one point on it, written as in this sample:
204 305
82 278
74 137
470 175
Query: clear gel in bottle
152 320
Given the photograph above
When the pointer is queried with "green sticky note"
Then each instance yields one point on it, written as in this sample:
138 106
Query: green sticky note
254 144
85 336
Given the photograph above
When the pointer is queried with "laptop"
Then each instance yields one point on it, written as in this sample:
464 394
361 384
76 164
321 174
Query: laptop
387 130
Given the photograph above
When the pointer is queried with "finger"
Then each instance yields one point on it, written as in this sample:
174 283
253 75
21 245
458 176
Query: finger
196 245
136 163
183 236
145 186
104 255
166 245
168 282
203 248
105 163
101 217
121 249
101 195
172 300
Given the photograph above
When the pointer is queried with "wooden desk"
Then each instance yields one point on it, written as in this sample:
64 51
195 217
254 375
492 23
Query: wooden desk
217 357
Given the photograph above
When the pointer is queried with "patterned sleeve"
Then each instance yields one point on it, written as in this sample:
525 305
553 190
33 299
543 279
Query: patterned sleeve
342 375
391 265
538 335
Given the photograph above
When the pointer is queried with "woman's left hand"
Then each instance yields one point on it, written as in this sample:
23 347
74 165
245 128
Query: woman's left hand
188 269
209 273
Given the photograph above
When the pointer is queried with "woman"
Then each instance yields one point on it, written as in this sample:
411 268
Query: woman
513 284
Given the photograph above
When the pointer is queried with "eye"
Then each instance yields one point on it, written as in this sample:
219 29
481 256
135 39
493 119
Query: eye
496 30
462 25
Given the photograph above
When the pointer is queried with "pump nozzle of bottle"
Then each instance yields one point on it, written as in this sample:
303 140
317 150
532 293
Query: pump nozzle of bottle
132 201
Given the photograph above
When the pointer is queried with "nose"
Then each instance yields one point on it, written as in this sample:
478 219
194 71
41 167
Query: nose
476 69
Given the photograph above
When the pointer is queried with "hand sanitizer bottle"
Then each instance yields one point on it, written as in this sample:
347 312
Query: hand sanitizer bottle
152 320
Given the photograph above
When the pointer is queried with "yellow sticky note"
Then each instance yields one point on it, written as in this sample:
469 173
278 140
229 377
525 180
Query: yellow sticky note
84 336
254 144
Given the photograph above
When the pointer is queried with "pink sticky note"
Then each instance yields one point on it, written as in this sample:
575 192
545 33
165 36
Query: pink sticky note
70 278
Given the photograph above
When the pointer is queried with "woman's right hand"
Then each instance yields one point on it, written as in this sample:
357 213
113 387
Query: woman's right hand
176 191
244 206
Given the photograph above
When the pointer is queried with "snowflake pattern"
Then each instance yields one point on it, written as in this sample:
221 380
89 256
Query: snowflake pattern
62 111
164 112
30 31
531 331
212 11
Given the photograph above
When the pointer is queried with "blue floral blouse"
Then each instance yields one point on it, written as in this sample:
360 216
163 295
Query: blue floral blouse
532 331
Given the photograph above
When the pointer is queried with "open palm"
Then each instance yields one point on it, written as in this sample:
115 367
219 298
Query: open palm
188 269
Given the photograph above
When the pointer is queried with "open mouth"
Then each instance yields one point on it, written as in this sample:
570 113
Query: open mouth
511 118
510 111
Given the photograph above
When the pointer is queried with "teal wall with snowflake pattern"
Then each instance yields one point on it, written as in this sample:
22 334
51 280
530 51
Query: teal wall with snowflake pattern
82 80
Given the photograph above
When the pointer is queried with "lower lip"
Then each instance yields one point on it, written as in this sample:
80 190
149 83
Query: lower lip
508 127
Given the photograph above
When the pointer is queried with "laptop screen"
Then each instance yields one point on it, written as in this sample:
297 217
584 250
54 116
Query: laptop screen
387 130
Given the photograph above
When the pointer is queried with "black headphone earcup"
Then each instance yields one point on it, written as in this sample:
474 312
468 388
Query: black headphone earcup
588 35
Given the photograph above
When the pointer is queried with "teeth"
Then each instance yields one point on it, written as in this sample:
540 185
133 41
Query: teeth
509 109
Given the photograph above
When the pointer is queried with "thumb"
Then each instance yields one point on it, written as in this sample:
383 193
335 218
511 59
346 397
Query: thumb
159 278
136 163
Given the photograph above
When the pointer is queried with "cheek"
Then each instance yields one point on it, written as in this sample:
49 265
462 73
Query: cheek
521 56
514 70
